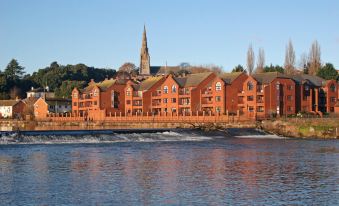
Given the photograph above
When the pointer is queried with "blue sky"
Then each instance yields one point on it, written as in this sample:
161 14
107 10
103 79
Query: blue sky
105 33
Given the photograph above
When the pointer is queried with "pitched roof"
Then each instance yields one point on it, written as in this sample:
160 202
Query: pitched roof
192 80
8 103
314 80
268 77
103 86
30 100
230 77
161 70
58 101
149 82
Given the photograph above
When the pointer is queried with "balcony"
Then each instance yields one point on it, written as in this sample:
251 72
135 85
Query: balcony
184 92
137 95
241 93
156 94
260 92
207 93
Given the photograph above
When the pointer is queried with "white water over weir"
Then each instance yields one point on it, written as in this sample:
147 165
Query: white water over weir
123 135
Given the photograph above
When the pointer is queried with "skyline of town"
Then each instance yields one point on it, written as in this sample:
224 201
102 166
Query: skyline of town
107 39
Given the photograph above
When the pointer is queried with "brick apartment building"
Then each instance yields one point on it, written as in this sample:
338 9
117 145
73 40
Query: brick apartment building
257 96
267 94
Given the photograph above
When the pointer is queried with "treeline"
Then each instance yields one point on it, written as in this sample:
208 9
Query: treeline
308 64
14 82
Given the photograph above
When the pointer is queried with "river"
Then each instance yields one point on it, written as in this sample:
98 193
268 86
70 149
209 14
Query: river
169 168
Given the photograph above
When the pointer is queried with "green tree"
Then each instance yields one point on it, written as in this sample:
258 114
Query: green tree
14 71
275 68
66 88
238 68
327 72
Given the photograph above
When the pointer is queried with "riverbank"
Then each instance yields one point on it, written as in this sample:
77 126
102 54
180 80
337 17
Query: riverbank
322 128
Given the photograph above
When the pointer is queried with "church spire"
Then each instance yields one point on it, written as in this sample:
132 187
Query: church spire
144 55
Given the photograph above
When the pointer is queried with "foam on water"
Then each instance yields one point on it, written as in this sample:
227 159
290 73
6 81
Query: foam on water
261 137
103 138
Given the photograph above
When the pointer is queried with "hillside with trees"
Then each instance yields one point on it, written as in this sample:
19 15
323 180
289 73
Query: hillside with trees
59 78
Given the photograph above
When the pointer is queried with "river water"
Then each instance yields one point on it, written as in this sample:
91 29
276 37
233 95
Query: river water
170 168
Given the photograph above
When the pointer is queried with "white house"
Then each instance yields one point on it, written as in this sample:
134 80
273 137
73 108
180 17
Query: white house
11 108
40 92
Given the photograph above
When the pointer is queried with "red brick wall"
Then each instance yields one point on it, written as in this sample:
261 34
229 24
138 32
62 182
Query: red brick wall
40 109
231 92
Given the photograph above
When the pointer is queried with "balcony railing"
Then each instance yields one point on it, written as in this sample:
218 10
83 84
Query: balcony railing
184 92
156 94
207 92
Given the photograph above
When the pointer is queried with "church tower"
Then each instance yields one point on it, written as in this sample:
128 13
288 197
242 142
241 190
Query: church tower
144 56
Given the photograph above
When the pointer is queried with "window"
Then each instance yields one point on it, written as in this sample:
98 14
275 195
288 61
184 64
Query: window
165 100
289 97
331 109
289 87
128 92
217 98
332 88
174 89
95 93
75 95
75 104
260 109
174 110
217 109
114 99
95 102
249 86
174 100
165 89
289 109
333 99
251 109
128 102
250 98
218 86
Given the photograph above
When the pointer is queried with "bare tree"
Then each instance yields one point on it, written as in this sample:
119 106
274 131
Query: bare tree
314 58
250 60
127 67
260 61
303 63
289 59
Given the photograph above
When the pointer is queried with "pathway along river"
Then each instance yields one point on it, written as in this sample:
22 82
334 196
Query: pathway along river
169 168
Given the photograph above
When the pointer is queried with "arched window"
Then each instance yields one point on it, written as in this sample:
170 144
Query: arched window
75 94
332 88
249 86
218 86
165 89
174 89
95 93
128 92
